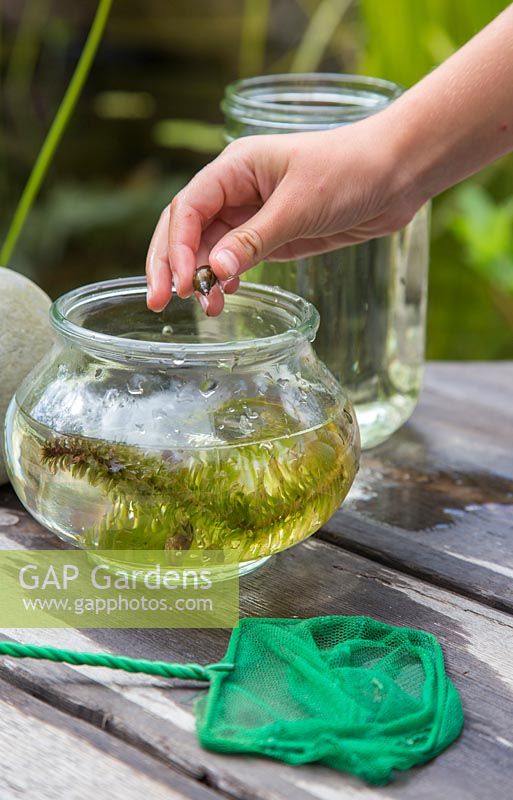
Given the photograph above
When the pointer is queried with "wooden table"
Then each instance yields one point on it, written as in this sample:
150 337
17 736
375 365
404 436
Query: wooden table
426 540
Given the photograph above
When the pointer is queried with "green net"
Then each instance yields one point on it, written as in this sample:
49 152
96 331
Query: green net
349 692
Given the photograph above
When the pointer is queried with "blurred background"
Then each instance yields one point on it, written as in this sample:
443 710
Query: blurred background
149 117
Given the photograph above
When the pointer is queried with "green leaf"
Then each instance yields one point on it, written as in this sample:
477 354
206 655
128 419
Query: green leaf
407 38
485 227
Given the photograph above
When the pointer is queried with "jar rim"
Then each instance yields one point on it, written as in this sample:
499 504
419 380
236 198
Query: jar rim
309 100
303 315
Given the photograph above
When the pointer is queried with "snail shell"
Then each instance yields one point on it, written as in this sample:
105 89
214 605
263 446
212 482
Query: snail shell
204 280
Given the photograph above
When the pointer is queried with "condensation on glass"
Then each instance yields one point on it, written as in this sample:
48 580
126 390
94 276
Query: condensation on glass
371 296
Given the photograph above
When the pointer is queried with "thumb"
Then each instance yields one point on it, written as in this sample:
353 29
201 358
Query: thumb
271 227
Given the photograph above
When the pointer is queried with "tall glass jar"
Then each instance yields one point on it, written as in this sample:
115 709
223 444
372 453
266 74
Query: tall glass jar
371 296
178 431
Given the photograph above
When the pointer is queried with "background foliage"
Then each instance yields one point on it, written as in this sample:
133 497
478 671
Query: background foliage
149 118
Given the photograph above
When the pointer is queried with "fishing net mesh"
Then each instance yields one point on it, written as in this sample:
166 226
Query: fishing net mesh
349 692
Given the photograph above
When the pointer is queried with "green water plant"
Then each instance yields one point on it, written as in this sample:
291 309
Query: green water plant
256 498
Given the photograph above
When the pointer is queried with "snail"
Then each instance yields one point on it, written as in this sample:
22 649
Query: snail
204 280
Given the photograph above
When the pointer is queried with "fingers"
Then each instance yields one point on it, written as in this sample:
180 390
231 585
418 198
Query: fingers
271 227
160 284
220 217
213 303
227 181
158 271
231 286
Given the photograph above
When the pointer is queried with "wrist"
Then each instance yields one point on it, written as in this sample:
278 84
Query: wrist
412 160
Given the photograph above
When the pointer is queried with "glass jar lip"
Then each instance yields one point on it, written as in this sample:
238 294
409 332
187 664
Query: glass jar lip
304 318
346 98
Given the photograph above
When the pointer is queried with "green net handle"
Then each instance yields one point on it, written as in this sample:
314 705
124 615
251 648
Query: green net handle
193 672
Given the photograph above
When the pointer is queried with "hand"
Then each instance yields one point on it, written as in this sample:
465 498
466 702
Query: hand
292 195
278 198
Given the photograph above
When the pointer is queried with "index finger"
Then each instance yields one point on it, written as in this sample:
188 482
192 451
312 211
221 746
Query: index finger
160 283
223 182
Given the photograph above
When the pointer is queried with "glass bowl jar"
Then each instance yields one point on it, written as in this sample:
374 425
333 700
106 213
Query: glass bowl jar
177 431
371 296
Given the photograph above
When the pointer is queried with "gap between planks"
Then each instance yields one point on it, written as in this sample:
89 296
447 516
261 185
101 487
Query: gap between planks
472 641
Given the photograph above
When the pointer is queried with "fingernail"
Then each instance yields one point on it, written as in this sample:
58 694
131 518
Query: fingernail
229 284
227 262
203 301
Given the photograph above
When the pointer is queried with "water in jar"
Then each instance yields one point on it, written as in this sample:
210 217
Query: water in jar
372 303
371 296
256 498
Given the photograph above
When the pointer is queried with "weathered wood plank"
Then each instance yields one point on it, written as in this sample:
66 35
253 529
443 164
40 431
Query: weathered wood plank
437 499
311 579
47 754
437 502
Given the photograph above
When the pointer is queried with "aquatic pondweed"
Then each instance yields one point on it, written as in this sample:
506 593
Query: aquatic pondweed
254 498
182 432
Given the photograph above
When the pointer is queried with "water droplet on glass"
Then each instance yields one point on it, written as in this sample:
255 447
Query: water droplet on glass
139 427
159 413
178 361
167 330
135 386
252 414
228 363
207 388
98 373
282 381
